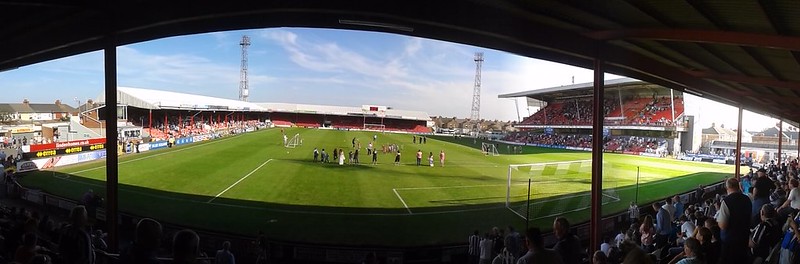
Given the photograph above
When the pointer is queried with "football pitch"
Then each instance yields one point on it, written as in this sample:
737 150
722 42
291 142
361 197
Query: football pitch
250 182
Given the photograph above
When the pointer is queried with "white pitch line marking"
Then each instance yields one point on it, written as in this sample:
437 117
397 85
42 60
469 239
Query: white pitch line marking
401 200
240 180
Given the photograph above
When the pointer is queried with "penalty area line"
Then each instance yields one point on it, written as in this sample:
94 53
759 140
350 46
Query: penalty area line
401 200
240 180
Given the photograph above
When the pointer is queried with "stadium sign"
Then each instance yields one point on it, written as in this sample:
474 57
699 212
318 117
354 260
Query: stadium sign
63 151
158 144
68 144
26 166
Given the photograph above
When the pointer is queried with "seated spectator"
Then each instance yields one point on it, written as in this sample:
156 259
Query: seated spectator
224 255
27 250
186 247
75 245
792 203
41 259
635 255
568 245
709 248
536 251
146 241
648 234
765 235
692 253
599 257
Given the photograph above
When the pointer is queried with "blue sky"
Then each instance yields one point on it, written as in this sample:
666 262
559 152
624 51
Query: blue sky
314 66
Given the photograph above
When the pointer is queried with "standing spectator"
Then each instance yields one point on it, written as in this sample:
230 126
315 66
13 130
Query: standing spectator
474 247
430 159
486 246
699 193
185 247
633 213
679 207
670 209
316 154
499 240
75 246
761 192
536 251
146 241
568 245
397 158
734 223
374 157
663 225
512 242
224 255
419 157
441 158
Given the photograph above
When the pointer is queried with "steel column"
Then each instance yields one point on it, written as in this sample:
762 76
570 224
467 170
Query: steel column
595 237
112 176
737 170
780 142
150 120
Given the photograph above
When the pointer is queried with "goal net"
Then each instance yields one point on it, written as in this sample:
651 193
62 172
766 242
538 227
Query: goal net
489 149
375 127
295 141
544 190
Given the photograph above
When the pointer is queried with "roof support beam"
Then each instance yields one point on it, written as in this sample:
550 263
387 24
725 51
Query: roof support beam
701 36
771 82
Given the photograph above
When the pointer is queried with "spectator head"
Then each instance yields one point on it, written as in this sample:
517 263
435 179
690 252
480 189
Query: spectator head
767 212
732 185
599 257
704 235
226 245
633 203
148 233
185 246
476 232
560 227
29 240
41 259
761 172
794 183
656 206
533 238
683 218
668 201
78 217
676 199
692 247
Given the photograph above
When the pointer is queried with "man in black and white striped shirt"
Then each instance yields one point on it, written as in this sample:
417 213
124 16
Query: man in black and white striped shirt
474 247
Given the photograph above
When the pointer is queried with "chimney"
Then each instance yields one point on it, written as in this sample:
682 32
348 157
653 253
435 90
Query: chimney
90 102
58 102
25 101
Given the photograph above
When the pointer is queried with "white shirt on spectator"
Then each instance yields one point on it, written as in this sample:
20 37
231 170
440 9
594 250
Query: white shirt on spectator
671 209
794 196
723 214
687 228
486 248
619 239
606 248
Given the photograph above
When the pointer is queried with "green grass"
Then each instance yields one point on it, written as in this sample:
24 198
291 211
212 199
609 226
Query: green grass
292 198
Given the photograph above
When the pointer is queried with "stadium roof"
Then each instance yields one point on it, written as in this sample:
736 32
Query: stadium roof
743 53
579 89
157 99
340 110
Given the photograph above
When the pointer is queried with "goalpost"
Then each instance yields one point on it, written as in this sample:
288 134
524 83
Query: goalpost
294 142
489 149
542 190
375 127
